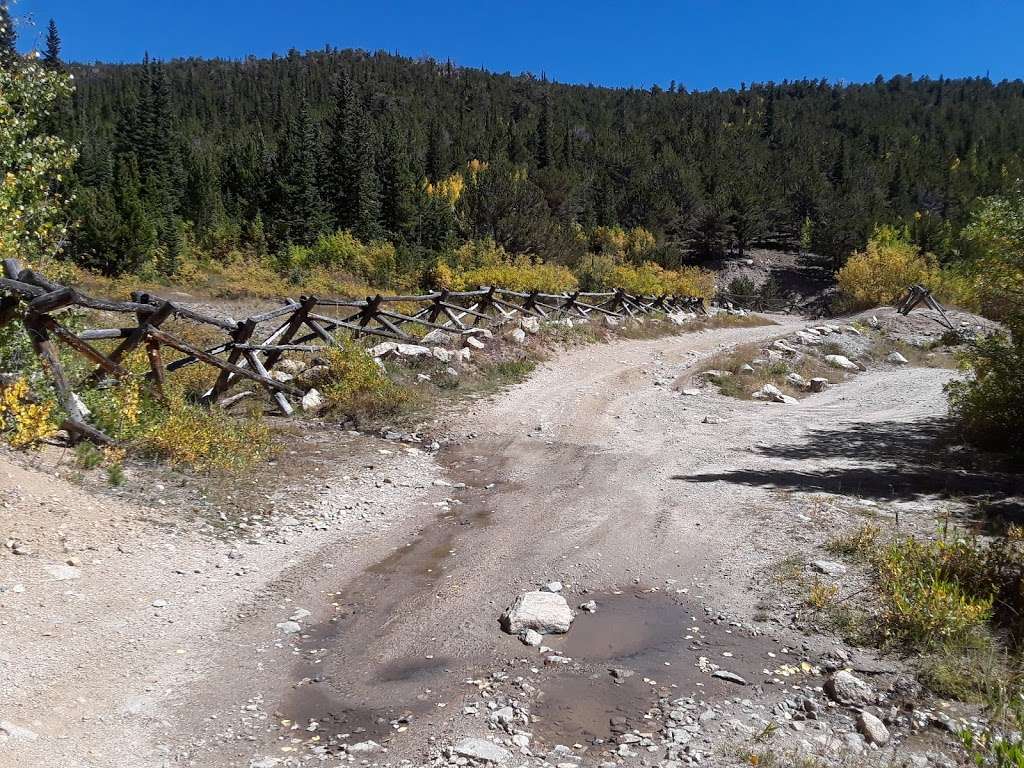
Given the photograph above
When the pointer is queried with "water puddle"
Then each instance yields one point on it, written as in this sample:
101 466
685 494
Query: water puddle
640 646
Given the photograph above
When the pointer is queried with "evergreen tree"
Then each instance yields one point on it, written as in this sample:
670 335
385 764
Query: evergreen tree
545 150
397 184
8 35
302 214
51 56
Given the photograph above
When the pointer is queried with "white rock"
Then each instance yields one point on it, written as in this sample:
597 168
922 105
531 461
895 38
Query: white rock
532 638
829 567
590 606
552 586
383 349
611 322
16 732
530 324
481 749
847 688
543 612
874 730
413 350
772 393
691 392
463 355
293 367
63 572
474 343
313 402
517 336
840 361
746 368
363 748
896 358
289 627
441 354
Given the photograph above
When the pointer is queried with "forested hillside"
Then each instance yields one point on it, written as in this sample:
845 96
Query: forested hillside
257 154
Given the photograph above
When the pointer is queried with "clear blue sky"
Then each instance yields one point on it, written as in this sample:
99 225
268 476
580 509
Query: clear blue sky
699 43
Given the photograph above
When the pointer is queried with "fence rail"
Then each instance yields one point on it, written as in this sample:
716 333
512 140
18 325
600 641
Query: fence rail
309 324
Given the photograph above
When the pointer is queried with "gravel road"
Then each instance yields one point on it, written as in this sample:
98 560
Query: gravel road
165 646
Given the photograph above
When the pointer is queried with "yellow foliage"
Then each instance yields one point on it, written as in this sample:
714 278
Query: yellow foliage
449 189
650 279
882 272
635 245
208 438
27 422
520 274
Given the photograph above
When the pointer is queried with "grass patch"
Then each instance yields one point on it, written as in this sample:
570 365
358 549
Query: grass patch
507 372
956 602
859 545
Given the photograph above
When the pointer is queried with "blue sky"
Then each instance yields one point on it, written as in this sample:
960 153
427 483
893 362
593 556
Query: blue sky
698 43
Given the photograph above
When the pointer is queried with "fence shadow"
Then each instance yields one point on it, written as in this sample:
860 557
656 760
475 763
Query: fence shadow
887 460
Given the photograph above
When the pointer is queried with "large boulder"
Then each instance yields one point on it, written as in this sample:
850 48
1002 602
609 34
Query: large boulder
544 612
413 350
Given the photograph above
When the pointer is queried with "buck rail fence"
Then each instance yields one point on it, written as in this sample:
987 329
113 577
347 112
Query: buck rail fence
308 324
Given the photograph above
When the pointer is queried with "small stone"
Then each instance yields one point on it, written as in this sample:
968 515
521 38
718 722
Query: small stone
590 606
530 324
819 384
313 402
532 638
621 674
840 361
896 359
481 749
829 568
874 730
474 342
159 603
363 748
846 688
730 677
289 627
517 336
552 586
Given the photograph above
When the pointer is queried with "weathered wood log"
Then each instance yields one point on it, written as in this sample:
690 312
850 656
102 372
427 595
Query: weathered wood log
182 346
81 429
156 367
86 350
257 365
240 335
43 348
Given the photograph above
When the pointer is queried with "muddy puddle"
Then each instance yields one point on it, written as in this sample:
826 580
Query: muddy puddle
640 646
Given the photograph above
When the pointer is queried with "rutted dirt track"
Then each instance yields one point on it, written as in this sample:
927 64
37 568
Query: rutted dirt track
163 650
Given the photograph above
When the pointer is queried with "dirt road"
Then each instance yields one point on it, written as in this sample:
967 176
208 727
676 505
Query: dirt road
166 646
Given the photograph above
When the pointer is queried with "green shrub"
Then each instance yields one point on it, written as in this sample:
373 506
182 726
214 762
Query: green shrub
989 406
354 385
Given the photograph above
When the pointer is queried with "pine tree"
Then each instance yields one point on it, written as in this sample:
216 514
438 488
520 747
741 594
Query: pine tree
51 56
545 150
303 216
8 35
397 184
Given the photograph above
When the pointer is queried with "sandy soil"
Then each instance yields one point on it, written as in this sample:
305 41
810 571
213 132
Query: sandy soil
161 645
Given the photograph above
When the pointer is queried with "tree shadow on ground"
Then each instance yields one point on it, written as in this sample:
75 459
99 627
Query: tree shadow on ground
886 460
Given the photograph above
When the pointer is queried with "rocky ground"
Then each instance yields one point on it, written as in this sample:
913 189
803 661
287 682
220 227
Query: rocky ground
351 613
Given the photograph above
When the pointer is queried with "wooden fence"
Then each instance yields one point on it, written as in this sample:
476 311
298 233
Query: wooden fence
308 324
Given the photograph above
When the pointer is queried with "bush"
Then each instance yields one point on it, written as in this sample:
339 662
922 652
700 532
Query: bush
354 385
207 438
649 279
24 420
989 406
882 272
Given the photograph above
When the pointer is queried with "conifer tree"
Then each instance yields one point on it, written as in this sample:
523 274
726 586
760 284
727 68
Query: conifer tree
51 56
8 35
303 214
545 150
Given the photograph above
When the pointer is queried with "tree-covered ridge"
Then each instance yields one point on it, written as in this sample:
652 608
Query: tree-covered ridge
261 153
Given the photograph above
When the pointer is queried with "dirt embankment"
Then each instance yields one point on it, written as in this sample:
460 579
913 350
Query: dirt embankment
361 622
